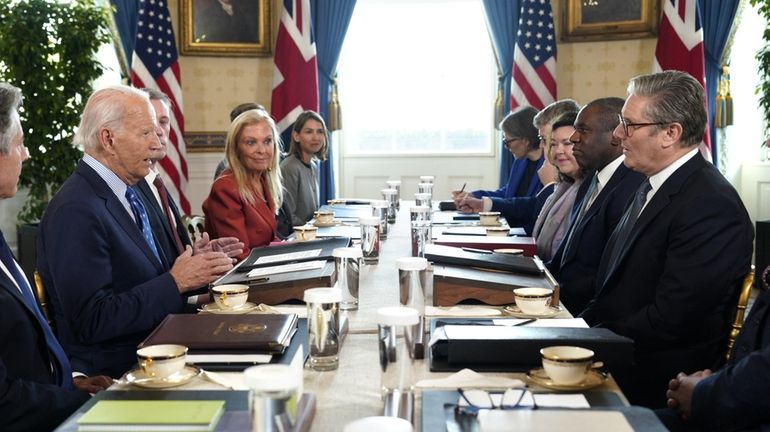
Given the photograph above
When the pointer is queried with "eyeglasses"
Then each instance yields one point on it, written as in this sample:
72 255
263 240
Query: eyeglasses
626 125
473 401
508 141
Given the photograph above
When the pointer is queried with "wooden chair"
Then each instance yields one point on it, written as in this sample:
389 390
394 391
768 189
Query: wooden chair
42 299
740 311
196 226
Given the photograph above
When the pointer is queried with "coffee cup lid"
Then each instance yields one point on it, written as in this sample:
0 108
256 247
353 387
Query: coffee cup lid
412 263
347 252
271 377
397 315
323 295
379 424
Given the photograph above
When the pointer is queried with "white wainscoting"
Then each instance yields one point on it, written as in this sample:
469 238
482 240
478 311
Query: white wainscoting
755 189
201 167
364 177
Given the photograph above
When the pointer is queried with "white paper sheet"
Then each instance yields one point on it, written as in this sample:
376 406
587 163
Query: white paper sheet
287 268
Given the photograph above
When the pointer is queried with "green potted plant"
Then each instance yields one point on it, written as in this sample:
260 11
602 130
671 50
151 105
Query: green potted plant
48 49
763 58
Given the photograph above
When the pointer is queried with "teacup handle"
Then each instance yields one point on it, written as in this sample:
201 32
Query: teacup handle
146 366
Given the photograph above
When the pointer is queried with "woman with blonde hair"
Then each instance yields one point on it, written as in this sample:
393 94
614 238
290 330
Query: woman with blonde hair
300 168
245 198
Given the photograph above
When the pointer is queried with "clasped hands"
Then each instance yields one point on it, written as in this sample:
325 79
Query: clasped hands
205 261
680 390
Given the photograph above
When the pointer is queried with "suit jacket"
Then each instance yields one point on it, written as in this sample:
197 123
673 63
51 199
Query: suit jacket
30 399
735 397
675 285
523 211
229 215
575 269
164 237
514 179
107 288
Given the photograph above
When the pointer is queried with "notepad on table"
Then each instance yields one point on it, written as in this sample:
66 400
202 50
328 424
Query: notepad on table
152 415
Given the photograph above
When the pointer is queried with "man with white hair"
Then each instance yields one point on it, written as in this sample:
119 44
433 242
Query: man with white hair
96 251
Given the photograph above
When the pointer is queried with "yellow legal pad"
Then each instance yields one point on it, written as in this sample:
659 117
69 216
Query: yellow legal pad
152 415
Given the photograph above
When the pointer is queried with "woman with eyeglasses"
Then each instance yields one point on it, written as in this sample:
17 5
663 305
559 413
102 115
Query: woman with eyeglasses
520 137
300 168
553 221
244 199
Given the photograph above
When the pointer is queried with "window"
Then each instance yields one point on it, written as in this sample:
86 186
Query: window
417 77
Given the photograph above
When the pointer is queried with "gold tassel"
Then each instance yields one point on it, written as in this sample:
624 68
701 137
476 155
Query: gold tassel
499 106
723 116
335 112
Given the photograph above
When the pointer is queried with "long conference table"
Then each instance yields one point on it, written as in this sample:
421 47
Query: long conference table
353 390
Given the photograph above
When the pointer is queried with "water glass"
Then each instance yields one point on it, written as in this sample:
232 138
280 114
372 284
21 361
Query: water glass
323 317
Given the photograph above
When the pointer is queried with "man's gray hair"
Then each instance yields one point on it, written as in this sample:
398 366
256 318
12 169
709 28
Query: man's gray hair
105 108
553 111
675 97
10 101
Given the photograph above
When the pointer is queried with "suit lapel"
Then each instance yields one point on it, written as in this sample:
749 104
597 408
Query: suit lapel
117 211
662 198
7 284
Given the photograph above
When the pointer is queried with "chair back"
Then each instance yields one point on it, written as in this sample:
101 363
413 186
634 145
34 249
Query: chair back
740 311
196 226
42 299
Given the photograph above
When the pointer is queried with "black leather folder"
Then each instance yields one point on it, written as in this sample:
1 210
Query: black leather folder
482 259
521 350
327 245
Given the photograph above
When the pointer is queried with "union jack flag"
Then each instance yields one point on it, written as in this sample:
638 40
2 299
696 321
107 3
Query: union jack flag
534 57
680 47
154 65
295 78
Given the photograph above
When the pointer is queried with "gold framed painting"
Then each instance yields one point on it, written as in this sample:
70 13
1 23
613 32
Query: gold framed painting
225 27
204 142
591 20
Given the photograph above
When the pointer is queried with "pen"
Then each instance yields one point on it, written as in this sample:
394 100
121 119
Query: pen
462 189
258 280
467 249
525 322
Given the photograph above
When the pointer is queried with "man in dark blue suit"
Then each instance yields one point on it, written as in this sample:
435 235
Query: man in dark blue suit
605 194
37 389
670 273
96 253
734 397
170 233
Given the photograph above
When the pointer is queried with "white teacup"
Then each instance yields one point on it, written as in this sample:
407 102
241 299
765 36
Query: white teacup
324 217
489 218
567 365
498 231
230 296
161 361
305 232
533 301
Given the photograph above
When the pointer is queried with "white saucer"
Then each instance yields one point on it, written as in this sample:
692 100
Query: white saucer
549 313
325 225
215 309
593 379
138 378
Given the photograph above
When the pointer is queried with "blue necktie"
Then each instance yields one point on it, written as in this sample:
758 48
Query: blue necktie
61 365
141 219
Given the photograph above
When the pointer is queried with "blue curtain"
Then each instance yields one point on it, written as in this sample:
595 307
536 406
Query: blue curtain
330 22
717 19
502 23
125 12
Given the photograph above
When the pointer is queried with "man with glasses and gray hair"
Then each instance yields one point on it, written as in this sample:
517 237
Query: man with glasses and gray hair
671 270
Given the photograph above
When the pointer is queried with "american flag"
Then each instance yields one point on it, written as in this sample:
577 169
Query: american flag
295 78
680 46
534 57
154 65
